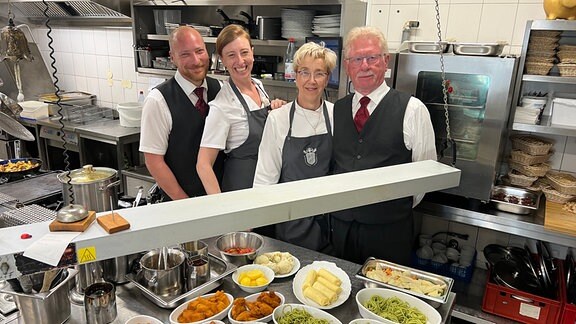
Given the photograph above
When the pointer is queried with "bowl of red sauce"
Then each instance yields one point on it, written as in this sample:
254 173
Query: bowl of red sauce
239 248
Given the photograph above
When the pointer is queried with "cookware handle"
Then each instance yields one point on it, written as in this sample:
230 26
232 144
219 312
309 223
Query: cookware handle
110 185
245 14
523 299
223 14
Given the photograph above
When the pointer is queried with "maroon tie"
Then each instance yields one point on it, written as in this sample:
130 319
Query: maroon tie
362 114
201 105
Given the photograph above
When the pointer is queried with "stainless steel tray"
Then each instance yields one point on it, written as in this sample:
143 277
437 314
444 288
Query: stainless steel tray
371 263
510 206
219 269
478 49
427 47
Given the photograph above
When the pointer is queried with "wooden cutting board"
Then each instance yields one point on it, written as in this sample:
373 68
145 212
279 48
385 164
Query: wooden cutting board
558 219
79 226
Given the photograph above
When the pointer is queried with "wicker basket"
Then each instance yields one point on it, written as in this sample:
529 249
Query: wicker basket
531 144
523 158
555 196
545 40
567 47
542 46
540 59
567 69
546 33
567 56
563 182
538 68
518 179
537 170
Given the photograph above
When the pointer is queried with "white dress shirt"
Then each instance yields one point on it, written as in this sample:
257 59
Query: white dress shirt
306 123
227 123
156 123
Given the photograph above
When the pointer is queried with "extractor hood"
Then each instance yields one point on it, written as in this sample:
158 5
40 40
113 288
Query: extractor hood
70 13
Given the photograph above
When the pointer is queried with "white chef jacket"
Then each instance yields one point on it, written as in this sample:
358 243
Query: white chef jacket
417 126
306 123
227 123
156 123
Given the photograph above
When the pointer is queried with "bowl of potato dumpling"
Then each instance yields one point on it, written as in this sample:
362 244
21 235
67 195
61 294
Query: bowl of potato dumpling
253 278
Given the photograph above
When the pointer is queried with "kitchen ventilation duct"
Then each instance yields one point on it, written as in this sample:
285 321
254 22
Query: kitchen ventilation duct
71 13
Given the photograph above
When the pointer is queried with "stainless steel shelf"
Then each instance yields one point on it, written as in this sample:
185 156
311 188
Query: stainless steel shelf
212 40
531 226
554 25
157 72
545 128
184 220
548 79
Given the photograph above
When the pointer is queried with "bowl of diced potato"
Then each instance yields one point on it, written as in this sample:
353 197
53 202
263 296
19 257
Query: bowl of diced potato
253 278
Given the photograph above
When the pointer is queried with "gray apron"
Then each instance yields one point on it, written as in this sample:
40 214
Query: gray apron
305 158
240 164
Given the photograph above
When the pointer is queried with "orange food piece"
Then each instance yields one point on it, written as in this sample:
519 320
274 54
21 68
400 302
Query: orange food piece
202 308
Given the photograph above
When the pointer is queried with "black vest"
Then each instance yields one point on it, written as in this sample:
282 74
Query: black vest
185 136
379 144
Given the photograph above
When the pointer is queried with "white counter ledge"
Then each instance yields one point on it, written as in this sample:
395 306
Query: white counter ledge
174 222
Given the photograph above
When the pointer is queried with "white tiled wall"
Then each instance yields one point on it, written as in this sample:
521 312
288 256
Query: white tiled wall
461 20
95 60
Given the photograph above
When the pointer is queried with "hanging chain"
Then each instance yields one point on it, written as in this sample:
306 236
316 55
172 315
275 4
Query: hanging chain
445 85
10 13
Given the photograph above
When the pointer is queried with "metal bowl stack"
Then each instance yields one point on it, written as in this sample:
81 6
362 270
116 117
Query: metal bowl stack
239 240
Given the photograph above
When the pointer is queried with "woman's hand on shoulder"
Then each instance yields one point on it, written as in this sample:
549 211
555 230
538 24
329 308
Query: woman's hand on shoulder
277 103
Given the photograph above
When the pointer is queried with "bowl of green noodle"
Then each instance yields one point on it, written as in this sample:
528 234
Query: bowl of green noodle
297 313
392 306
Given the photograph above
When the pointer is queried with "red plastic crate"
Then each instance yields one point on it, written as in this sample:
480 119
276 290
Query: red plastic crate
522 306
569 314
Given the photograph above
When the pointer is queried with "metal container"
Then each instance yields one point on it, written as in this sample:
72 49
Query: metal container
45 308
515 200
478 49
427 47
219 269
373 263
168 281
239 240
269 27
92 187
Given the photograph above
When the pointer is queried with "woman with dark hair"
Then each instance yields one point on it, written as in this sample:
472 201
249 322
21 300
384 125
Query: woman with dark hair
237 117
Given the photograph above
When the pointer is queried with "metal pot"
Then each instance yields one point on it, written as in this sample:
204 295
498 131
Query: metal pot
164 282
45 308
92 187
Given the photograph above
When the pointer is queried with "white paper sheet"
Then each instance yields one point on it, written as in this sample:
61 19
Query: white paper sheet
50 247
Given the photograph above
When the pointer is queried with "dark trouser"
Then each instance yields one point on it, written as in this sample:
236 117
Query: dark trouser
356 242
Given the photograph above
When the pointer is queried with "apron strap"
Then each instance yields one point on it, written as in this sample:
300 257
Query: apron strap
241 98
324 111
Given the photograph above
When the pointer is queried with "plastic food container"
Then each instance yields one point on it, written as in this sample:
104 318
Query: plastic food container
34 110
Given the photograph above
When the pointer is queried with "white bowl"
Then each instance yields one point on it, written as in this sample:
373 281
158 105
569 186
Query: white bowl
432 315
268 273
143 319
175 313
365 321
213 322
253 298
315 312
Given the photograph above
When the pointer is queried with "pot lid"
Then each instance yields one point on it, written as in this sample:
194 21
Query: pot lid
88 174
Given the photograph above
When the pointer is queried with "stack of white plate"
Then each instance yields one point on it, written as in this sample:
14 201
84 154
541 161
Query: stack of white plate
326 25
297 23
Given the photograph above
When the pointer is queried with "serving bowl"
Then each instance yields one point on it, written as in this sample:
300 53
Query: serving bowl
268 273
315 312
143 319
217 317
253 298
432 315
239 240
365 321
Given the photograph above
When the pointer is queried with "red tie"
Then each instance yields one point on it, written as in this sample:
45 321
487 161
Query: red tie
201 105
362 114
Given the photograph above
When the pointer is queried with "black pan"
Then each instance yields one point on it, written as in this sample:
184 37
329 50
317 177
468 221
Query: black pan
227 21
36 168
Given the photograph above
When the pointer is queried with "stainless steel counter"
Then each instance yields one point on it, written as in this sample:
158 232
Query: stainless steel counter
109 131
131 302
474 213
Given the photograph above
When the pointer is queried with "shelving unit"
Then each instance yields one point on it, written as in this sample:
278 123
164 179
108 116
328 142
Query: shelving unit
545 83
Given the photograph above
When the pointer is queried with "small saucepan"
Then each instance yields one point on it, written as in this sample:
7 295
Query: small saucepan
29 165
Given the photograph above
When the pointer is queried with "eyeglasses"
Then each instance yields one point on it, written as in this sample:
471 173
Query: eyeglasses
317 75
371 59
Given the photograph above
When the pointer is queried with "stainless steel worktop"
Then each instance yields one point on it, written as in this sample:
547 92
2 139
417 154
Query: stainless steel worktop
471 212
109 130
131 302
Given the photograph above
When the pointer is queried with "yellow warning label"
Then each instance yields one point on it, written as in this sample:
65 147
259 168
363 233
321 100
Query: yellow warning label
87 254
